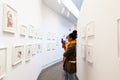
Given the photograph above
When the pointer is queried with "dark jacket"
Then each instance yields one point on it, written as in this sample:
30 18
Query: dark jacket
70 55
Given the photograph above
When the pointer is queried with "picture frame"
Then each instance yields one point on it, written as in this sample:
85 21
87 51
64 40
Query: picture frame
89 53
31 31
57 41
83 32
90 29
83 51
53 36
28 52
118 35
39 49
48 36
34 34
23 30
3 61
40 35
34 51
17 55
48 46
9 19
53 46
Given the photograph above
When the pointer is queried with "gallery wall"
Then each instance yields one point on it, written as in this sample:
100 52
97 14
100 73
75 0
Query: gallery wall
52 22
98 27
47 28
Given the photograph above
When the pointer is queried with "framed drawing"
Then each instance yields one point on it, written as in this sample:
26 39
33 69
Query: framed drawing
48 36
48 46
9 19
3 56
53 36
39 48
83 51
90 29
53 46
23 30
89 53
118 32
57 41
35 33
28 52
31 31
34 51
17 55
83 33
40 35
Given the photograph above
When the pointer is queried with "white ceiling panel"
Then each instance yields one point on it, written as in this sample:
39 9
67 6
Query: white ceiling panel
58 8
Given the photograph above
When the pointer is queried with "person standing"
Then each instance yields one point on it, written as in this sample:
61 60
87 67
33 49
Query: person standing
69 57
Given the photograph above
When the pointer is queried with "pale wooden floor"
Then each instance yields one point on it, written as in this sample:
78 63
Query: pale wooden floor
54 72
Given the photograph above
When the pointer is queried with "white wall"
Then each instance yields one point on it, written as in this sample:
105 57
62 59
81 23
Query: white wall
54 23
28 12
33 12
106 65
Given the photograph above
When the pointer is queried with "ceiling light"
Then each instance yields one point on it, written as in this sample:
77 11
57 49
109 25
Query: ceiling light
59 1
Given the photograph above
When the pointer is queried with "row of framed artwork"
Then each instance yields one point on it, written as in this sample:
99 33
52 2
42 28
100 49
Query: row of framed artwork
87 35
87 52
36 33
10 25
88 30
19 53
51 46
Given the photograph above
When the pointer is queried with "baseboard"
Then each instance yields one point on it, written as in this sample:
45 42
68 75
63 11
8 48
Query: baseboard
51 64
76 77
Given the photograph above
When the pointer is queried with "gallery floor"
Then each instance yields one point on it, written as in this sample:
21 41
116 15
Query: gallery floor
54 72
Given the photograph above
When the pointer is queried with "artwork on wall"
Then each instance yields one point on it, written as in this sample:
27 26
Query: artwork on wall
34 34
53 46
48 46
31 31
3 54
83 50
57 41
83 33
53 36
40 35
118 31
9 19
89 53
17 55
48 36
39 48
23 30
90 29
34 51
28 52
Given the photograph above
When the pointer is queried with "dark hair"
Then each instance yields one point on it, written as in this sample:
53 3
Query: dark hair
75 32
73 35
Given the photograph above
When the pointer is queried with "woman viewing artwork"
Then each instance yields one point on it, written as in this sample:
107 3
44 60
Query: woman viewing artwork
69 56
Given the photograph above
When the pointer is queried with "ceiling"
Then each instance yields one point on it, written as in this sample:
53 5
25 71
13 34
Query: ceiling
62 10
77 3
